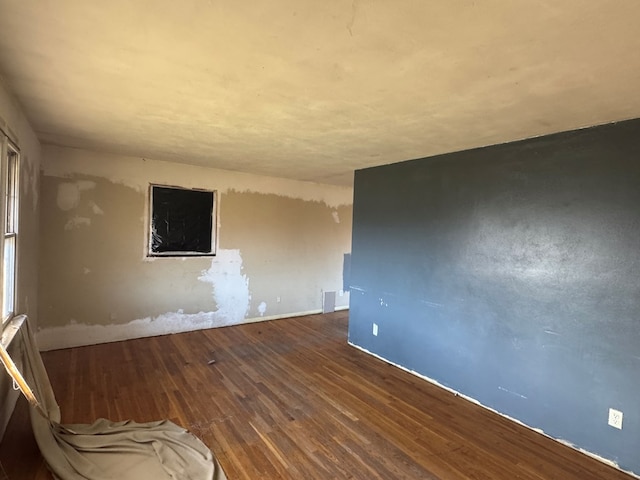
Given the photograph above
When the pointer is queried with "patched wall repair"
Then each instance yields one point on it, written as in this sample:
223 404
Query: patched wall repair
276 255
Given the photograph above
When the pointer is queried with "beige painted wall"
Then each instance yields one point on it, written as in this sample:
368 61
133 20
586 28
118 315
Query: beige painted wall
280 246
14 124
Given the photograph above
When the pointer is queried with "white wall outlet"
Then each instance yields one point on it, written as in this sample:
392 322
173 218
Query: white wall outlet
615 418
341 293
277 299
375 329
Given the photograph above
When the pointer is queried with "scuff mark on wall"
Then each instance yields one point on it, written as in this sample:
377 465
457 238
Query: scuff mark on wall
512 392
230 286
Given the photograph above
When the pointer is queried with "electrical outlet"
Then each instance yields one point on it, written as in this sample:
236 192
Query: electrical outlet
375 329
277 299
615 418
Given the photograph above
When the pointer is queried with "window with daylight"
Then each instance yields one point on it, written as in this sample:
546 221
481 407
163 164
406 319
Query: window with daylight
10 241
182 222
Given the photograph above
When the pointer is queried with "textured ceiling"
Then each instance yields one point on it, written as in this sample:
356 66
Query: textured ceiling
316 89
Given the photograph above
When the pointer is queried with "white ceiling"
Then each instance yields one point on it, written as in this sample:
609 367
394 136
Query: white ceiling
316 89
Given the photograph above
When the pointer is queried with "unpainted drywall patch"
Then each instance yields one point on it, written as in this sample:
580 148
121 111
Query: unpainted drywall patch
30 176
69 199
230 286
137 173
77 221
96 209
75 334
262 308
230 291
69 193
68 196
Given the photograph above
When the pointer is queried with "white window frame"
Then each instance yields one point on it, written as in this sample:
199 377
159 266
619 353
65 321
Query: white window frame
10 163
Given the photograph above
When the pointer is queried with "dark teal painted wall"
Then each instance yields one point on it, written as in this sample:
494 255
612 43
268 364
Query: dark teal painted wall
511 274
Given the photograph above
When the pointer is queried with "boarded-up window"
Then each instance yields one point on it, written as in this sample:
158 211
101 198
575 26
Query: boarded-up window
182 221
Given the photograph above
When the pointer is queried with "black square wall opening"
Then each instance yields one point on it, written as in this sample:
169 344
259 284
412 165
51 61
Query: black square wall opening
182 222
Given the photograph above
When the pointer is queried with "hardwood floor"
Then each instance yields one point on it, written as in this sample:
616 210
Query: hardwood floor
289 399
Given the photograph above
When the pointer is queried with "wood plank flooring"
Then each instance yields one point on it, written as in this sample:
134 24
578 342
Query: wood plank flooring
289 399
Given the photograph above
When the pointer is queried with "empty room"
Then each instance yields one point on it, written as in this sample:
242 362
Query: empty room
340 239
